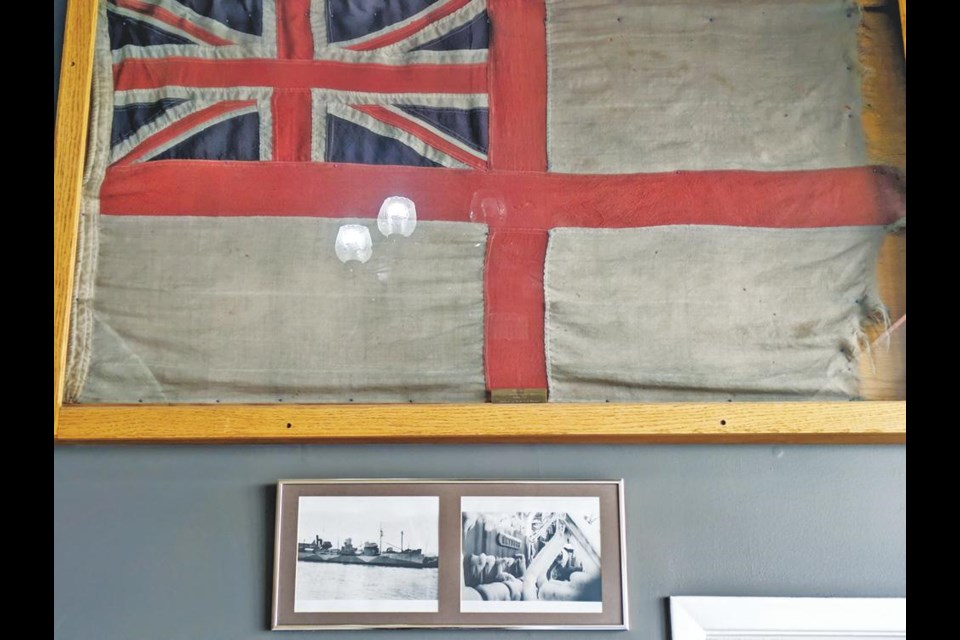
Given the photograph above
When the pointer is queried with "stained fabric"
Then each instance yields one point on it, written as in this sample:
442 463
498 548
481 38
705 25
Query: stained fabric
472 35
233 139
262 310
244 50
128 118
127 31
469 126
668 85
242 15
348 142
708 313
229 155
349 19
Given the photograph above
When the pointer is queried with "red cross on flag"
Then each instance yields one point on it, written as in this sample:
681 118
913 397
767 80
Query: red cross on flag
424 200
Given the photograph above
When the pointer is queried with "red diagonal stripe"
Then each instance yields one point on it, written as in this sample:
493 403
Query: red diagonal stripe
179 127
411 28
431 138
300 74
165 16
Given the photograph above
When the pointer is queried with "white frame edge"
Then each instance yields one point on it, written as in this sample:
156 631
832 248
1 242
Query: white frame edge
703 617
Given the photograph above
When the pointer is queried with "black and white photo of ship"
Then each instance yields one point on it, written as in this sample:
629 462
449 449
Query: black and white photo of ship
395 568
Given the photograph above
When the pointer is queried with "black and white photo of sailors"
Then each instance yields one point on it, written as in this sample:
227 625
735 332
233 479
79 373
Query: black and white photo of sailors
531 554
367 554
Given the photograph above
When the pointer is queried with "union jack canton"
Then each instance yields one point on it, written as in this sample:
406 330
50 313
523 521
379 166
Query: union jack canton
374 81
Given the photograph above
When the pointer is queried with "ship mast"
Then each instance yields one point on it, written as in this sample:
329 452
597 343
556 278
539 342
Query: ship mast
380 548
401 541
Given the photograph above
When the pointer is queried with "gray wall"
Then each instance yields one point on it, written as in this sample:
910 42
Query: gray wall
176 542
167 542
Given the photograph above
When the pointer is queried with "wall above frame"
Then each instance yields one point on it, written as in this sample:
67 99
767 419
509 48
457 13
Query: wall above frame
341 230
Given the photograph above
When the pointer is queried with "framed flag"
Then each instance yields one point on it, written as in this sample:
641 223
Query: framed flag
463 219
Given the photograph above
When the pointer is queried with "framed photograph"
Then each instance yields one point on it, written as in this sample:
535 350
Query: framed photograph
339 573
449 553
703 617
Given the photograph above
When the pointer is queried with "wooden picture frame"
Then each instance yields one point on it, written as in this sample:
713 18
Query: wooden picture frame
881 420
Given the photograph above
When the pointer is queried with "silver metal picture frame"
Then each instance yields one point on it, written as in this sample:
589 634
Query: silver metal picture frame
413 553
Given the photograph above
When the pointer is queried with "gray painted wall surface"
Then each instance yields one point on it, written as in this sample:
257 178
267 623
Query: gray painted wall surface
176 543
166 542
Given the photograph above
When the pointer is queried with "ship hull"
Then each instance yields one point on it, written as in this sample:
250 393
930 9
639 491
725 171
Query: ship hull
393 560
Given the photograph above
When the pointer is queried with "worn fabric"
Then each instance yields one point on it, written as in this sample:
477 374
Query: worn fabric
253 123
708 313
300 80
663 85
164 309
250 310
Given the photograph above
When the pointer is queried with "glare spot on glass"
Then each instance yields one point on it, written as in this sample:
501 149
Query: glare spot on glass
354 243
397 215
